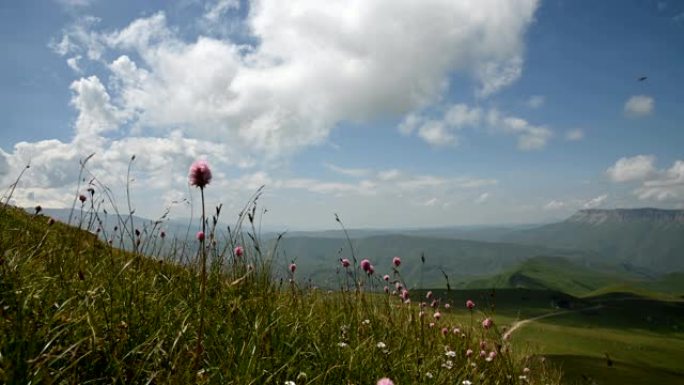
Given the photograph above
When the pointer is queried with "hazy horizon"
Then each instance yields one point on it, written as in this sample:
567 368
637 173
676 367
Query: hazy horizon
393 114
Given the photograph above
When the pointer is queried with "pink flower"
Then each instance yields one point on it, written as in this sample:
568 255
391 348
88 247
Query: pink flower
396 261
239 251
431 325
526 370
483 345
345 262
469 352
447 306
437 315
483 353
385 381
428 295
293 267
398 286
445 331
200 236
404 294
51 221
371 269
487 323
366 265
82 198
386 289
385 277
200 174
470 304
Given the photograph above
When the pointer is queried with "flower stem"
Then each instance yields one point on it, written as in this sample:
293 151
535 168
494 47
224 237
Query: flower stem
203 284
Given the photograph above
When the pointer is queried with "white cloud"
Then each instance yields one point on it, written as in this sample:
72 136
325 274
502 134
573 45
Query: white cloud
430 202
72 62
389 175
530 137
436 134
595 202
215 10
555 205
574 135
535 101
482 198
667 186
173 98
353 172
630 169
442 132
639 105
659 185
75 3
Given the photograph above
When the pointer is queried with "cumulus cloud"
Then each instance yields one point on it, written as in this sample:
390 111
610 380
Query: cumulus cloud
654 184
639 105
633 168
436 134
443 131
169 97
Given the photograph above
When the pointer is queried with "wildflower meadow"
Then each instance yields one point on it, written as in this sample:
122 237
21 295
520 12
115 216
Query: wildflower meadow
80 304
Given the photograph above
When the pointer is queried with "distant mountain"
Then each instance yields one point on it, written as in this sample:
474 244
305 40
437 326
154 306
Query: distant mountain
318 258
638 238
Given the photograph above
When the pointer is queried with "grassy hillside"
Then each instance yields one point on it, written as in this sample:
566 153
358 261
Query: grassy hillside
73 309
572 277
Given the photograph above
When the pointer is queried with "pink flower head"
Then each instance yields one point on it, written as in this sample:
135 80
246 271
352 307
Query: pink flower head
385 277
431 325
469 352
445 331
398 286
437 315
483 353
239 251
385 381
345 262
487 323
396 261
470 304
371 269
82 198
200 174
428 295
51 221
293 267
404 294
483 345
200 236
386 289
365 265
447 306
526 370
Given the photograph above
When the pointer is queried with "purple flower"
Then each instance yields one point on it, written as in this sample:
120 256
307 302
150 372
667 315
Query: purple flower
396 261
385 381
487 323
470 304
200 236
366 265
386 277
345 262
239 251
200 174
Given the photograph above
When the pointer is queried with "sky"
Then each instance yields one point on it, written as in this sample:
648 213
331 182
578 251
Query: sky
391 113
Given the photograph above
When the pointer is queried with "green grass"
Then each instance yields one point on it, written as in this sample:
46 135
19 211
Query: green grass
642 336
75 310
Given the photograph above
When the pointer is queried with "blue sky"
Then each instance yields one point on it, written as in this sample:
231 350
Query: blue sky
390 113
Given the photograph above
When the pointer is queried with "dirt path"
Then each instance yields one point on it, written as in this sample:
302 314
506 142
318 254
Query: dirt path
520 323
